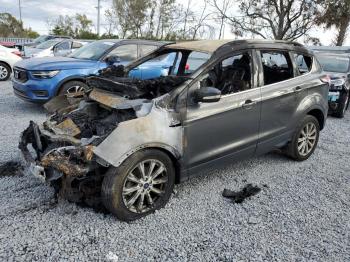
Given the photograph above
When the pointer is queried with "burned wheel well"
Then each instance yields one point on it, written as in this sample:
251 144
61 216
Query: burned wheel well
319 116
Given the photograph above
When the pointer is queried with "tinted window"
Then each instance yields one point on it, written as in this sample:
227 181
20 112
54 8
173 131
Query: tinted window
277 66
231 75
146 49
334 64
126 53
303 62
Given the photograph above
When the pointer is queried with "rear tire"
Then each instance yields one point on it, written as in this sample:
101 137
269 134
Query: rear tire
129 195
5 72
72 87
342 106
305 139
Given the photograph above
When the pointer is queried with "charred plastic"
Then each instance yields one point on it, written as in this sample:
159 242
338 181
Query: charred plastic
63 145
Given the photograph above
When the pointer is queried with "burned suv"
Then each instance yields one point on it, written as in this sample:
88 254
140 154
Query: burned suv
125 142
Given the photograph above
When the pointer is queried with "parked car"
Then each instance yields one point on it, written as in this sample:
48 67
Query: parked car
55 47
129 141
40 79
8 57
331 49
41 39
338 67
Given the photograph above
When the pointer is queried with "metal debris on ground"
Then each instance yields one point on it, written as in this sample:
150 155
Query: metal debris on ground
238 197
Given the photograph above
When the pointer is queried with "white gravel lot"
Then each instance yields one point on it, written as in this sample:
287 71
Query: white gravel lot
303 214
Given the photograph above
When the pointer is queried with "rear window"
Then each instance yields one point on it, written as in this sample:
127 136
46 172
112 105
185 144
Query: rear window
303 62
334 64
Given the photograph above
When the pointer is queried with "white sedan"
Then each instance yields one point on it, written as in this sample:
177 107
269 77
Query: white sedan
8 57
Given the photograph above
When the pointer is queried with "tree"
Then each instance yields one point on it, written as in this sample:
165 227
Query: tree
280 20
78 26
335 13
11 27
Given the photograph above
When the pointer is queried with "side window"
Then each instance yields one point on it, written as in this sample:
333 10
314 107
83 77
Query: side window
76 45
231 75
277 66
62 46
195 60
126 53
146 49
303 62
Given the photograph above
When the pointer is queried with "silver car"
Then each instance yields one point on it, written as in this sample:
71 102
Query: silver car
125 142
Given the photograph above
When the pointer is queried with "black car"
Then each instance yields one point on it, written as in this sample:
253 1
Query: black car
338 67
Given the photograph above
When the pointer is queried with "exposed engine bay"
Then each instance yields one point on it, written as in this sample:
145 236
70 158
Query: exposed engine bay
91 131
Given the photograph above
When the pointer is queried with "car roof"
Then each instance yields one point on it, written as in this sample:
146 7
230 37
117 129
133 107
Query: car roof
136 41
211 46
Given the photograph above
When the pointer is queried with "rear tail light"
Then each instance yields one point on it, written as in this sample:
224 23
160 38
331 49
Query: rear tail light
16 52
187 67
326 79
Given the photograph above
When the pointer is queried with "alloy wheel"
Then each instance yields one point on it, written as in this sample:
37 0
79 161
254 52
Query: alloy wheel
307 139
144 185
75 89
3 72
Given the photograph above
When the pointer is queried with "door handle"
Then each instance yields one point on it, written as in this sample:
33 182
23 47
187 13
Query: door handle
297 89
248 104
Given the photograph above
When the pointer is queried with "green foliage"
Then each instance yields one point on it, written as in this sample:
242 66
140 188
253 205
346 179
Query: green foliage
78 26
335 13
11 27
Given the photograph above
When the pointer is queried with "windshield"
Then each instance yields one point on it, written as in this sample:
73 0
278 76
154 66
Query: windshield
40 39
48 44
92 51
334 64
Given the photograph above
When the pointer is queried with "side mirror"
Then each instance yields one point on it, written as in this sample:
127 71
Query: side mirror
112 59
207 95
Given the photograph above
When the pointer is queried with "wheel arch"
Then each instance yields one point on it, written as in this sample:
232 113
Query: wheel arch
318 114
3 62
67 80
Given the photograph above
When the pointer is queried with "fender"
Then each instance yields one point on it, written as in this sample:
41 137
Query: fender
154 130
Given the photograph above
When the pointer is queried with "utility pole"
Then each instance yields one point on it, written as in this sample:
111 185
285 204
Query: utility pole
20 11
98 16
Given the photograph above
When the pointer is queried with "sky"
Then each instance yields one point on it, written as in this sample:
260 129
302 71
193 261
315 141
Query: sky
36 13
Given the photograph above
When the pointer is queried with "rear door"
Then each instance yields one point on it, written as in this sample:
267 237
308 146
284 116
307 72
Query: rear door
280 95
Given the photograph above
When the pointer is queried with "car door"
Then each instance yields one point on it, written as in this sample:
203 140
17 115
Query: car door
225 130
280 96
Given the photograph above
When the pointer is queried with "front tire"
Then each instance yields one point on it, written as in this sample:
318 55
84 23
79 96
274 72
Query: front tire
141 185
305 139
72 87
5 72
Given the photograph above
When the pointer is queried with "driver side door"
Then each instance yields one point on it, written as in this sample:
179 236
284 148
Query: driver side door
225 130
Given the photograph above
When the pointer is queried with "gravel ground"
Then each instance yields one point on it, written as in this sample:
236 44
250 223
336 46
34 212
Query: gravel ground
302 215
